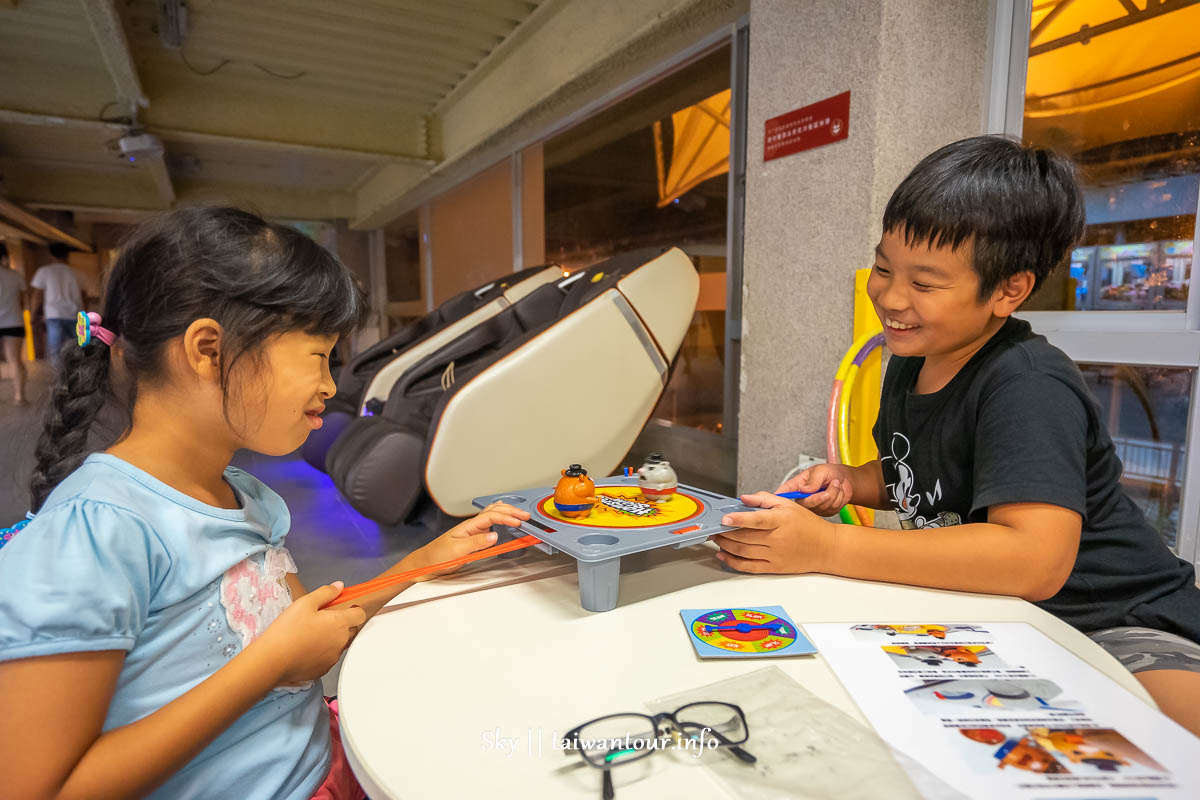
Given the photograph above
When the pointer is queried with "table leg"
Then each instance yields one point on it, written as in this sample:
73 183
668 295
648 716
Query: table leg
503 534
599 582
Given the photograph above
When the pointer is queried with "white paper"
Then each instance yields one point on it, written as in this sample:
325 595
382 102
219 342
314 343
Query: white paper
999 710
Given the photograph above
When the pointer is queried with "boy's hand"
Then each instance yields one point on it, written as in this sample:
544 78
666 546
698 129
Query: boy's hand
781 538
829 484
467 537
305 641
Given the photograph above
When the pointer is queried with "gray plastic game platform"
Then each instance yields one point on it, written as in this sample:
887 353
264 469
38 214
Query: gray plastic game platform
597 549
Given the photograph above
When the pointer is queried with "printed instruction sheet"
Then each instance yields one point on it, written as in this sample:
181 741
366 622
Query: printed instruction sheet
999 710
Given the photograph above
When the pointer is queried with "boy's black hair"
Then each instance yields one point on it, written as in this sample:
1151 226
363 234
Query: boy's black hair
1019 206
257 279
59 250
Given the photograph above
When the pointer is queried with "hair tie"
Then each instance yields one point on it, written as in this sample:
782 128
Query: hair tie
87 325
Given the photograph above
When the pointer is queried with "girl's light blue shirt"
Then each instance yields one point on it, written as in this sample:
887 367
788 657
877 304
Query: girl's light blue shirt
118 560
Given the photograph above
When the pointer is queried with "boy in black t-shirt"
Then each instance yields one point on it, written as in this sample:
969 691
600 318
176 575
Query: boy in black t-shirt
990 443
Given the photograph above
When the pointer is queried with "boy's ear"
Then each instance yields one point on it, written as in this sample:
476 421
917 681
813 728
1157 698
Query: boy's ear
202 348
1012 292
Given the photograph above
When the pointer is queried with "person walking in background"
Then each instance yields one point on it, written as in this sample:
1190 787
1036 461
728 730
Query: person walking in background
57 295
12 323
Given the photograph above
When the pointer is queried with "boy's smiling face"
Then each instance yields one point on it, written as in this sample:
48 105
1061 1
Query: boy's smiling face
928 298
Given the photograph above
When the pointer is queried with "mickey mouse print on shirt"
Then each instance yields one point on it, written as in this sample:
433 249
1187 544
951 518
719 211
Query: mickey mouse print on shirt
907 499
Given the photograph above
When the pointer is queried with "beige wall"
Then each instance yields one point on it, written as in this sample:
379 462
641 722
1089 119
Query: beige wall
470 232
916 75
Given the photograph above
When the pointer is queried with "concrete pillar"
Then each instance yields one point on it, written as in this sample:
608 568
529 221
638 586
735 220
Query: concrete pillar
916 74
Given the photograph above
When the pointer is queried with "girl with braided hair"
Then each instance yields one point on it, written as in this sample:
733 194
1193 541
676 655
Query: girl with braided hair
154 638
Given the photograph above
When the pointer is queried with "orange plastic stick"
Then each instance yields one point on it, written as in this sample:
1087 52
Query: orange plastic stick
360 589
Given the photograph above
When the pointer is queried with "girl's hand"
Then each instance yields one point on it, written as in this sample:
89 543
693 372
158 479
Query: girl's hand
829 484
781 538
467 537
304 642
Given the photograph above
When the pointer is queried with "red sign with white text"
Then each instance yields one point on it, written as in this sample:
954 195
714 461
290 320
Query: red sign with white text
805 128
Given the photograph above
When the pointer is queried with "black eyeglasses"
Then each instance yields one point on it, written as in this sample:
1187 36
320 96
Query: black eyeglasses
617 739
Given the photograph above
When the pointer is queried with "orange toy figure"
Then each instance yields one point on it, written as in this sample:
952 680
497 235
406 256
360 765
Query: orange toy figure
984 735
575 493
961 655
1075 747
1028 755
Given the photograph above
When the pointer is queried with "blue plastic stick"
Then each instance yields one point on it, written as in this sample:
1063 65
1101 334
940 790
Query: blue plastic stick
795 495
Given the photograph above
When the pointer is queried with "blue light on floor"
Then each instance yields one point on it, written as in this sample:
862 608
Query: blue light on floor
319 512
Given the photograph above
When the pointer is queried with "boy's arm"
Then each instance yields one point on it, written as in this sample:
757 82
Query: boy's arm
869 489
831 486
1024 549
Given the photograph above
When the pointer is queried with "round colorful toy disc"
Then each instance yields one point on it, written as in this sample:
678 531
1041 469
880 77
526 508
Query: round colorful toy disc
625 507
742 631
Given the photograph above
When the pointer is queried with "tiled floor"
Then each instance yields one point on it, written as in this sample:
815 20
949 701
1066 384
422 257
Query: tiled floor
19 428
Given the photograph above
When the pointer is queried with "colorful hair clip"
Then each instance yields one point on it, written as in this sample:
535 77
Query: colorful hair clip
87 324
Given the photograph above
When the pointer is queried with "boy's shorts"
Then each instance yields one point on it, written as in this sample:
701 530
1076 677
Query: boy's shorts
1145 649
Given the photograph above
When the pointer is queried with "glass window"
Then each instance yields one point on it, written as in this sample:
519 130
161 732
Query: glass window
653 170
694 397
1146 411
1117 87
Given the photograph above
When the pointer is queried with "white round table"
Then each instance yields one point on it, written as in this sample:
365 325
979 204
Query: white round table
458 688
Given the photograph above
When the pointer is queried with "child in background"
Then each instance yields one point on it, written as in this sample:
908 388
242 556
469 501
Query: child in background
149 641
992 450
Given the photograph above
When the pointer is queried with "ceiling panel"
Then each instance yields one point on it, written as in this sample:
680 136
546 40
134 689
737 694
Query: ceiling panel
234 163
415 51
67 143
286 96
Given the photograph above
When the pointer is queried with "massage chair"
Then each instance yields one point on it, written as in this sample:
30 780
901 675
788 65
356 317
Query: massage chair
568 374
364 382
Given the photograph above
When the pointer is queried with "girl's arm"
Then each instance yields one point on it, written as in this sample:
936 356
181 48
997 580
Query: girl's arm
373 602
466 537
56 706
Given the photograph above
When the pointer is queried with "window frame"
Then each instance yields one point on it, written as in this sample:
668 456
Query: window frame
1134 338
735 36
